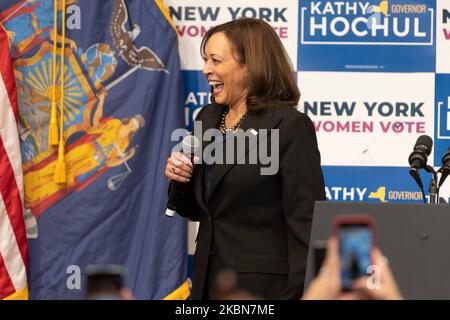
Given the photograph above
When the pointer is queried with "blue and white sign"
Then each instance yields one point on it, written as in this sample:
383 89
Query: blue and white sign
442 136
196 95
373 184
443 36
369 36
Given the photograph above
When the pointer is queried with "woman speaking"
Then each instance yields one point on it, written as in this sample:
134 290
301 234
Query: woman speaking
255 224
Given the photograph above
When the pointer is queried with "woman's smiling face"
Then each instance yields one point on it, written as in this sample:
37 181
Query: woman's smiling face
225 74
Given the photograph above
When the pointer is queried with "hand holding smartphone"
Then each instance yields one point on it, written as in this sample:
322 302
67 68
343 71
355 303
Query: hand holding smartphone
356 237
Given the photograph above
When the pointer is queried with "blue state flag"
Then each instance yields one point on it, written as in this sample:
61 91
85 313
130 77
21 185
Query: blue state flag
122 96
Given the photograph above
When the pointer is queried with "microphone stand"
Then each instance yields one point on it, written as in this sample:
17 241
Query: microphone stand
433 189
414 172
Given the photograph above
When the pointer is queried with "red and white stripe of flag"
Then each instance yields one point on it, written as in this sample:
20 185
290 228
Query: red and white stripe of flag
13 243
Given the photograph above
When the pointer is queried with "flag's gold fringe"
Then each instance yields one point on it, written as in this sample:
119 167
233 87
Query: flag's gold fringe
21 294
181 293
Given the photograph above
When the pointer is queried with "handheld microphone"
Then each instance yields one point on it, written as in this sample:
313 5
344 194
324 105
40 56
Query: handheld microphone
445 170
191 146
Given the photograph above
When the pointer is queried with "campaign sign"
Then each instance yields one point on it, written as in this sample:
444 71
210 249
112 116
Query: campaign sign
376 184
442 134
368 119
196 95
367 35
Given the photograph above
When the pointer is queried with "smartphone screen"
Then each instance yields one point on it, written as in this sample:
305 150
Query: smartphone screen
355 243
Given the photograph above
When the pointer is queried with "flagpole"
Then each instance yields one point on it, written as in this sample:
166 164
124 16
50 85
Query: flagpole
126 75
122 77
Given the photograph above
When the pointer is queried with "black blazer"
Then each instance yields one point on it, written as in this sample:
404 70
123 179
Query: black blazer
258 225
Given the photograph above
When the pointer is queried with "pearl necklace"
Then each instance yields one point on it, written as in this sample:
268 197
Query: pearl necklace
234 127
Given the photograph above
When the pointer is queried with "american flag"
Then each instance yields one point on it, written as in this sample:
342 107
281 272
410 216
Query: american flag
13 243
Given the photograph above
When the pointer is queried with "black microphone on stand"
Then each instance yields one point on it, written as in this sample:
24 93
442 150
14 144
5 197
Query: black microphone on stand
191 146
445 170
422 149
418 159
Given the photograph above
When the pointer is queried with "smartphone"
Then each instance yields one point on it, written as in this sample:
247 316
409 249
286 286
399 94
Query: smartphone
104 282
356 236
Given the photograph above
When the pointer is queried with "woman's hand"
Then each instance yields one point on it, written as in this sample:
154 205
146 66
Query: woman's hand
327 285
179 168
386 288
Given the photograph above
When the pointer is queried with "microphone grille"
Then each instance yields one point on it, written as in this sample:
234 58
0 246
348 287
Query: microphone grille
426 143
191 145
